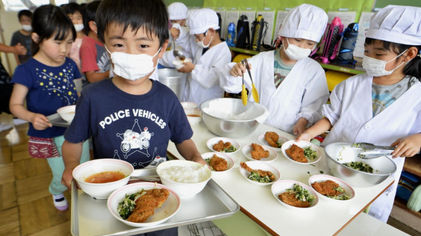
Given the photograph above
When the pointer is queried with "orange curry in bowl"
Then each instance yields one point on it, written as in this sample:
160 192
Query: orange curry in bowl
105 177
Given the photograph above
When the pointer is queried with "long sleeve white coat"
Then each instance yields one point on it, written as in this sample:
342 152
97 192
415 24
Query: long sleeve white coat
301 94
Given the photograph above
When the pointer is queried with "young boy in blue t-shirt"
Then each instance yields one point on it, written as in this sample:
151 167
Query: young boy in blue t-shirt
130 117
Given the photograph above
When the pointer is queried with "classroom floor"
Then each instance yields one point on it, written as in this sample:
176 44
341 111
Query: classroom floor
26 206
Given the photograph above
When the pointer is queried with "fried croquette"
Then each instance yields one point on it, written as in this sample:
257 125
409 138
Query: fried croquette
327 188
260 172
290 199
296 153
146 204
272 139
218 164
258 152
221 146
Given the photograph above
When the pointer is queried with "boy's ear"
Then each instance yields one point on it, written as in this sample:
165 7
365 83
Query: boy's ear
163 49
35 37
92 26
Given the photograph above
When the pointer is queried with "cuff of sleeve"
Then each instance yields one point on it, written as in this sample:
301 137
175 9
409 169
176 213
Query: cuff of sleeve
326 112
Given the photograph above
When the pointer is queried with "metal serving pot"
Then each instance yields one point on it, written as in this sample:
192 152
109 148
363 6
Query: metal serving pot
228 117
173 79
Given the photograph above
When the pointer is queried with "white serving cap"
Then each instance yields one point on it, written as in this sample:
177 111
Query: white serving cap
305 21
177 11
201 20
396 24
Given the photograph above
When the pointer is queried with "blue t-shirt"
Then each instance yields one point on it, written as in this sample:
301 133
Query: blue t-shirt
49 88
135 128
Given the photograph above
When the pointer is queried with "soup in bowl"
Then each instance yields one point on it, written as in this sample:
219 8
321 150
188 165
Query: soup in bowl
99 178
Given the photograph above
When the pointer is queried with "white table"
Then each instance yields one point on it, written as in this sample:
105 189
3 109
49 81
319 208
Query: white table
257 202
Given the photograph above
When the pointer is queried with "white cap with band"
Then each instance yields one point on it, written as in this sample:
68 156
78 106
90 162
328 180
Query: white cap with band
177 11
201 20
396 24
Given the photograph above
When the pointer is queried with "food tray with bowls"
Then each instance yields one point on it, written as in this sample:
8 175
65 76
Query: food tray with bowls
56 120
92 217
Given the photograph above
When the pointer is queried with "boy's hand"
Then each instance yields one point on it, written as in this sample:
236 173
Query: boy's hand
67 177
174 33
187 68
40 122
238 69
19 49
408 146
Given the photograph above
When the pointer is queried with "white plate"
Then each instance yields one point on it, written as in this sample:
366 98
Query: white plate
259 165
209 155
282 185
215 140
320 178
281 140
166 211
302 144
272 153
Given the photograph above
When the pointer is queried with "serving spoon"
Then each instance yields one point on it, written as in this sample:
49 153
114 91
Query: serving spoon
177 53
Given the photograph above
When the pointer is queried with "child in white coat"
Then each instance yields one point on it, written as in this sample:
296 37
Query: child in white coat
382 106
291 85
208 52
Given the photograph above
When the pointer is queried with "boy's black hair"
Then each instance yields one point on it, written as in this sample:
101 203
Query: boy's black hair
27 13
51 21
151 15
72 8
89 14
413 68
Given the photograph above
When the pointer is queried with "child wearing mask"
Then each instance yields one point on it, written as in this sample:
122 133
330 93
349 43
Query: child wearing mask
291 85
135 33
95 63
23 36
383 105
179 35
208 52
46 83
74 12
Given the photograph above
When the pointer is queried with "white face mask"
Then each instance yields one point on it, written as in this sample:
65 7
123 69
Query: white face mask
27 27
78 27
201 44
132 66
376 67
296 53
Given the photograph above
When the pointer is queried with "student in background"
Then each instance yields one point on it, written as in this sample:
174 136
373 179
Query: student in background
46 83
95 63
291 85
23 36
383 105
74 12
209 52
179 35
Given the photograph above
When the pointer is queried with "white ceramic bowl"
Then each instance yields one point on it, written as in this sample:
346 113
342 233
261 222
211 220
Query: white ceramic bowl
209 155
215 140
101 190
303 144
320 178
282 185
281 139
67 113
166 211
171 172
246 150
259 165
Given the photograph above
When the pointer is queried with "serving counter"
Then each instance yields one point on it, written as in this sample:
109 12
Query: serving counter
326 218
